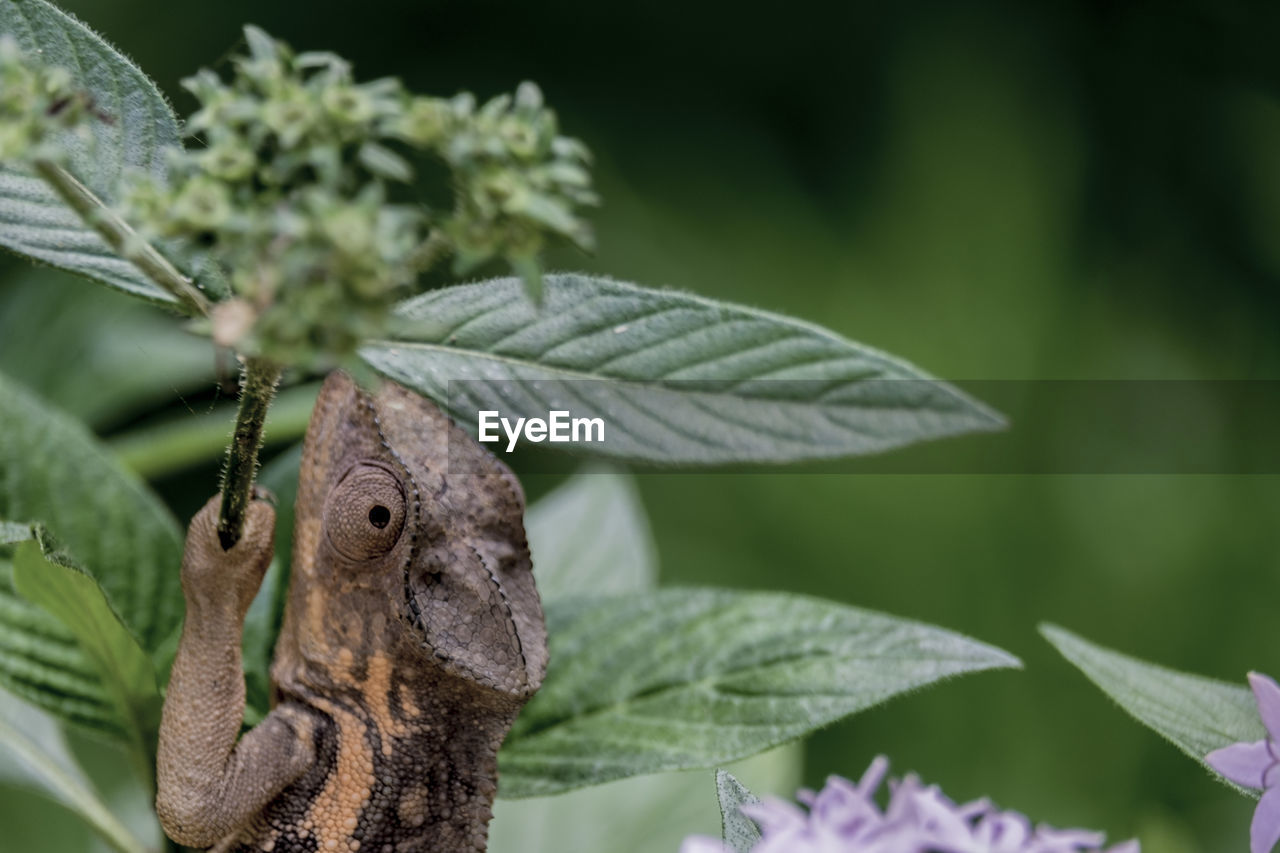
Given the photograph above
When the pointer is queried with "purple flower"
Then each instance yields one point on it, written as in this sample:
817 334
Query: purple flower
844 818
1254 765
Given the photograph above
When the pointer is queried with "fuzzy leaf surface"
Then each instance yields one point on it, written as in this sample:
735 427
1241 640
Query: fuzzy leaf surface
677 379
140 128
42 662
694 678
1196 714
54 472
124 671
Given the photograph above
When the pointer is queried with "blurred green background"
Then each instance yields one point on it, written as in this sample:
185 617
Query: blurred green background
992 190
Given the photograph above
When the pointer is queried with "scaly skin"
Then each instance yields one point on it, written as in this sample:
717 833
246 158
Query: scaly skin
412 636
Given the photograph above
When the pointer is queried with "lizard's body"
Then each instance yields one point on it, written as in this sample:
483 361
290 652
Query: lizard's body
412 636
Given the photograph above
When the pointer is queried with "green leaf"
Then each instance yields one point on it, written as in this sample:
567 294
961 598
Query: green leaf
34 221
643 814
93 353
678 378
591 537
123 669
57 474
738 830
1196 714
689 678
41 661
41 760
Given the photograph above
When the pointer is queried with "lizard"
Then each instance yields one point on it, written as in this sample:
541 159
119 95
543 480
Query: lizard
412 635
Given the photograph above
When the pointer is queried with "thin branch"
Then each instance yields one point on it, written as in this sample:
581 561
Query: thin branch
258 381
121 237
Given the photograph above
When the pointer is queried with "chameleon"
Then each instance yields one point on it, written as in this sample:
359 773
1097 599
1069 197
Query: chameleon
412 635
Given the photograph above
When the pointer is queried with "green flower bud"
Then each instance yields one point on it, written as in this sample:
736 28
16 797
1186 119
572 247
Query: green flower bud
291 114
521 136
229 162
202 205
351 231
424 122
347 105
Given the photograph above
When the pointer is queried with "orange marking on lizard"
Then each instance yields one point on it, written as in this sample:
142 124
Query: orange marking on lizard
335 812
377 694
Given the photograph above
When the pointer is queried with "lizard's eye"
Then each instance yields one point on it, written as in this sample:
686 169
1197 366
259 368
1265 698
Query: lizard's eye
364 514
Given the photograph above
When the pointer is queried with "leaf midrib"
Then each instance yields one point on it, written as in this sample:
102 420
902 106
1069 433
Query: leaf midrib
570 373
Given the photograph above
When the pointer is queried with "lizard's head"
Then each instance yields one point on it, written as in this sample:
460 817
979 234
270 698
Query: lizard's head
409 543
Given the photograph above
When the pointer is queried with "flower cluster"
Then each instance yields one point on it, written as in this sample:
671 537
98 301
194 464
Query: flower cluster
1257 765
295 195
844 818
34 100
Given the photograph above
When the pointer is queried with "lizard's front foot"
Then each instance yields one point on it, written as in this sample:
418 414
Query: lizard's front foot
214 578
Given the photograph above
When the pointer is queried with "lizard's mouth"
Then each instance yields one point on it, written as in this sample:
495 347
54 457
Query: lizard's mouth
465 620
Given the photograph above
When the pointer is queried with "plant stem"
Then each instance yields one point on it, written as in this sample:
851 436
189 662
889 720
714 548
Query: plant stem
258 381
121 237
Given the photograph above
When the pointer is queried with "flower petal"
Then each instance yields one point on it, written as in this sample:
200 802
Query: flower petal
1265 831
703 844
1130 846
775 815
1267 694
1242 763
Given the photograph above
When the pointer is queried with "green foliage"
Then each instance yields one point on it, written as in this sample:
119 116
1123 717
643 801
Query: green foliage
685 678
124 671
616 557
59 475
139 133
643 814
116 358
41 661
738 830
679 379
1196 714
46 764
517 177
293 195
297 198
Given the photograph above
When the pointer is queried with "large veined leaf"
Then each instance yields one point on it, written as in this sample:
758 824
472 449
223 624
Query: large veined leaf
687 678
676 378
34 221
643 814
54 472
34 754
1196 714
124 671
590 537
41 661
